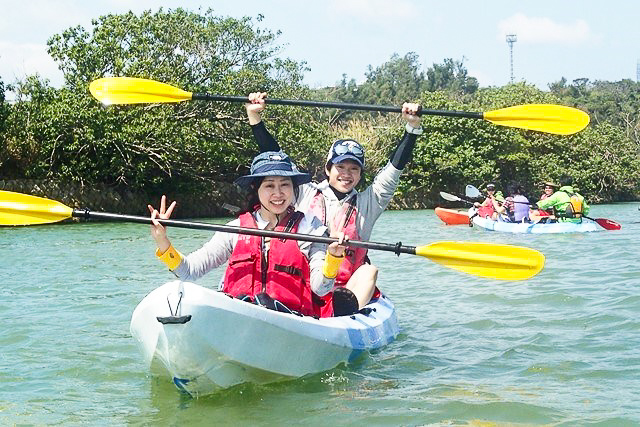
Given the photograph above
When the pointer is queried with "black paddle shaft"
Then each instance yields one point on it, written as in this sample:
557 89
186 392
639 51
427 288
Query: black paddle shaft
338 105
397 248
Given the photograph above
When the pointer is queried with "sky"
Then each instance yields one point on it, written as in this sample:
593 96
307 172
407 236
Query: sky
560 38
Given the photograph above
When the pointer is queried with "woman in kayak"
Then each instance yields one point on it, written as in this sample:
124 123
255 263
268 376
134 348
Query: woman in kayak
337 203
516 204
540 215
492 206
566 204
270 272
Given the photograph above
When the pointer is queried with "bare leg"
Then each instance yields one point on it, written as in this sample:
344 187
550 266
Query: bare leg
363 283
534 217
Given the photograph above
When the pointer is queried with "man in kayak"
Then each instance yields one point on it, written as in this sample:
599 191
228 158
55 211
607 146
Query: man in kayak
270 272
565 204
492 206
337 203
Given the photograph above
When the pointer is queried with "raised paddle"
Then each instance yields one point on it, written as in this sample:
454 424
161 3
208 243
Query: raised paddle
493 261
556 119
452 198
471 191
605 223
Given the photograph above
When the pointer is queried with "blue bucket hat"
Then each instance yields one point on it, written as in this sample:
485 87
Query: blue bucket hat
346 149
273 163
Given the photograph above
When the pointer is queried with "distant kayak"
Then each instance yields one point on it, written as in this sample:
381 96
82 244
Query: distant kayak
453 216
524 227
205 340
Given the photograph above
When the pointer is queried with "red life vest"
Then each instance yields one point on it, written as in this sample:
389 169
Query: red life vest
344 220
283 272
485 211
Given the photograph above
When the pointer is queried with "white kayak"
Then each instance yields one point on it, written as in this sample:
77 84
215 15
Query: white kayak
525 227
223 341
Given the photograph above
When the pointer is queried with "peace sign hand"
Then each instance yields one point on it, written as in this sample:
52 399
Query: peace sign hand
158 231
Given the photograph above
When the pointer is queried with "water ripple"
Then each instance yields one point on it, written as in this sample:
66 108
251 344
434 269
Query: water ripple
559 349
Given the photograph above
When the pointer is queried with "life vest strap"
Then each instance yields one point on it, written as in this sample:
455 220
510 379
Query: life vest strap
288 269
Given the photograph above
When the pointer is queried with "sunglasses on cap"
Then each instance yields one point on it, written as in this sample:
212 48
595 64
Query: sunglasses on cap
348 146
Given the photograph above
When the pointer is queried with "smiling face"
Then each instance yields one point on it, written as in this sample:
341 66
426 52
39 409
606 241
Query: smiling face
276 193
548 190
344 176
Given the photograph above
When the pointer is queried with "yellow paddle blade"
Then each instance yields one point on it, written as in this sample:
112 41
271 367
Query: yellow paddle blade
503 262
131 90
556 119
23 209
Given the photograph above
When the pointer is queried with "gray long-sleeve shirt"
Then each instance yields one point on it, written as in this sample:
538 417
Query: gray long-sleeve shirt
370 203
218 250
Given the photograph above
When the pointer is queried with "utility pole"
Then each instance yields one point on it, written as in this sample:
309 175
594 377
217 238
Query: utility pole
638 72
511 39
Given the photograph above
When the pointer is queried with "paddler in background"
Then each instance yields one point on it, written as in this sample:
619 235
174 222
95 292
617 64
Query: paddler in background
341 207
492 206
270 272
566 204
541 215
516 204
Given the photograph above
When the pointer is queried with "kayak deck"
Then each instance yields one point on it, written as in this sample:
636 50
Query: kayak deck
227 341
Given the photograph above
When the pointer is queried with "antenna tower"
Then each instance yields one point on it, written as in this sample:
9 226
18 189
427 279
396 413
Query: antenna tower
511 39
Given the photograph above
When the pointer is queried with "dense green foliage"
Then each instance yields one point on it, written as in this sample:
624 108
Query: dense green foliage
602 160
66 135
398 80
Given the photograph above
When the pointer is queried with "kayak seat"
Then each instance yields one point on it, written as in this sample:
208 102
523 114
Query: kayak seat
345 302
245 298
265 300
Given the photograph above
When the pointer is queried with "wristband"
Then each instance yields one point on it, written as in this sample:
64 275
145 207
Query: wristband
412 130
171 257
331 265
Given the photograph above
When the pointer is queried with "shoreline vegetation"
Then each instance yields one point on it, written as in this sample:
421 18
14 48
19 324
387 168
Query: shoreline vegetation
62 144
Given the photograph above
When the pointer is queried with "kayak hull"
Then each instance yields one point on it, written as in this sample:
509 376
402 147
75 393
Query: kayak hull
227 341
453 216
529 228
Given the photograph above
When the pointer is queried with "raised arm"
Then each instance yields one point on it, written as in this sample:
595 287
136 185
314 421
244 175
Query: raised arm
266 141
402 154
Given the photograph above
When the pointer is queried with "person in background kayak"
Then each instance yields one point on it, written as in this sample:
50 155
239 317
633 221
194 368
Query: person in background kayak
492 206
565 204
544 215
270 272
548 189
341 207
516 204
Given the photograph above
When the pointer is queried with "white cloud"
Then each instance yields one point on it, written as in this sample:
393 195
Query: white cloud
377 10
537 30
18 60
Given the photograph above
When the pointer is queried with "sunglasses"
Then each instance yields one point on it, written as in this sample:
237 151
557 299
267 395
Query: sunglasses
348 147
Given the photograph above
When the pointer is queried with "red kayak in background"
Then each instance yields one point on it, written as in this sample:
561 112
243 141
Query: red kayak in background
453 216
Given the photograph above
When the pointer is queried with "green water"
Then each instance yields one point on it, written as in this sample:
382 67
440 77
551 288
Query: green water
560 349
